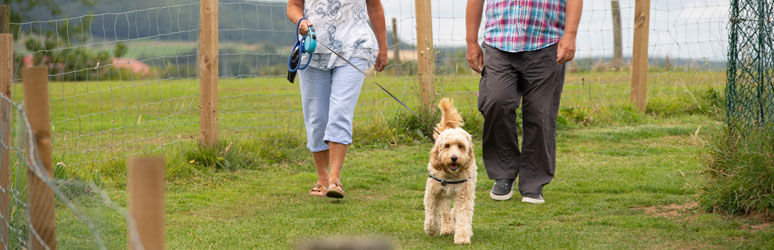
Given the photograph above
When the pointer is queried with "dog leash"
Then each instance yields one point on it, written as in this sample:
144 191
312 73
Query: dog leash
377 84
308 43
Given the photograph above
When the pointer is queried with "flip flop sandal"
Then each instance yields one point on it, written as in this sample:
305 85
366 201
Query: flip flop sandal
318 190
335 190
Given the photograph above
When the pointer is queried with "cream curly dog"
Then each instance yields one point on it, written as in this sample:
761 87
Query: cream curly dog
452 170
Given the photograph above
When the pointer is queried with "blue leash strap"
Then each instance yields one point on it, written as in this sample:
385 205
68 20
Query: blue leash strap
305 44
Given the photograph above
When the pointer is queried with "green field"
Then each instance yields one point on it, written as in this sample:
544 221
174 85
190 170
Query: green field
624 179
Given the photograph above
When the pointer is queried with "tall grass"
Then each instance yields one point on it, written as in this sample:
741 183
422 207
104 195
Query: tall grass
740 173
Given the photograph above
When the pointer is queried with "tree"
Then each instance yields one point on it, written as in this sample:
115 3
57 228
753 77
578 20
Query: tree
120 50
20 9
56 46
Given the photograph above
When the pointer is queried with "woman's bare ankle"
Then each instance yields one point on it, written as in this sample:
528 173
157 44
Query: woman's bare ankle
334 180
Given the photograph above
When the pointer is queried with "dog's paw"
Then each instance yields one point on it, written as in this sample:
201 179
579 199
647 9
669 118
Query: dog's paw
460 240
447 230
462 237
432 232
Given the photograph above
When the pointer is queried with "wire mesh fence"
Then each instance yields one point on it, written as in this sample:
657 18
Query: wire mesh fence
86 218
120 82
144 97
126 82
751 65
118 102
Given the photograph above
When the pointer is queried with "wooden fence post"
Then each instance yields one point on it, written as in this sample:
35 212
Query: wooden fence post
6 79
208 72
5 19
395 46
425 53
617 37
146 201
639 94
41 197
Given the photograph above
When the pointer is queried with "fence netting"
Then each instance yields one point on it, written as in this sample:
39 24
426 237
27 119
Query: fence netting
120 83
126 82
750 87
86 218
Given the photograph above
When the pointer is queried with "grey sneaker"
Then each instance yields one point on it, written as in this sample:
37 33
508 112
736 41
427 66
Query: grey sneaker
502 190
534 199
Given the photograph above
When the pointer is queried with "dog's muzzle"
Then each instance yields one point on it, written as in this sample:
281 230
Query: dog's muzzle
454 166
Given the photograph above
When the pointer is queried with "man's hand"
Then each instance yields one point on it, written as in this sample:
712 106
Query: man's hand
566 50
475 57
303 29
381 60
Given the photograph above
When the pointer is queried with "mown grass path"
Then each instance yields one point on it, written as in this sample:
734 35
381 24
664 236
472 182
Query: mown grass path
616 187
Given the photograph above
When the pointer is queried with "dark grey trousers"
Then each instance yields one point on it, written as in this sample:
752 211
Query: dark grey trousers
533 79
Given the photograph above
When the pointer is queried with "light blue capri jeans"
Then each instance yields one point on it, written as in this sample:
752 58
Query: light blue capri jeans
329 98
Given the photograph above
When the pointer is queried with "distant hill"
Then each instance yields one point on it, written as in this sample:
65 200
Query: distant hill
178 20
255 22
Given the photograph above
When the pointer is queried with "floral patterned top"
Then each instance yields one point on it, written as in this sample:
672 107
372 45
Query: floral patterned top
343 26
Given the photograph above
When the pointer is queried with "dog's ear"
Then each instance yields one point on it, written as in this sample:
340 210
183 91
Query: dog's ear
434 161
471 153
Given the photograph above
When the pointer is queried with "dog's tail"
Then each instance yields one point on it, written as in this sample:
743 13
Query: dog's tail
450 117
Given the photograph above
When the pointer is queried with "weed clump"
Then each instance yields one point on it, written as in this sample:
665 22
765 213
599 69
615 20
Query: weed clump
709 102
232 154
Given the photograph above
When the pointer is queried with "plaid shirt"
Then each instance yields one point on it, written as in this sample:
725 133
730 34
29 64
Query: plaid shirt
524 25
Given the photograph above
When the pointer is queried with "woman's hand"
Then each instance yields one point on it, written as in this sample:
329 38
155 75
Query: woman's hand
381 60
295 11
376 16
303 29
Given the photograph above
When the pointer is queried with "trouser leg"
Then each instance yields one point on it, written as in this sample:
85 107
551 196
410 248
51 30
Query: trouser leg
543 81
345 90
315 99
498 100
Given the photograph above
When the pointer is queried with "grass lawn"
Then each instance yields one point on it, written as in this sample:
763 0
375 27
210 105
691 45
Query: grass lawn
624 179
616 187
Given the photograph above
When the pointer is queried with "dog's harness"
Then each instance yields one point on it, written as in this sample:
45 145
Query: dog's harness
444 182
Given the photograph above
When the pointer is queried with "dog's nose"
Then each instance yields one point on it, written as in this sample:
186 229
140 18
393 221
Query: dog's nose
454 158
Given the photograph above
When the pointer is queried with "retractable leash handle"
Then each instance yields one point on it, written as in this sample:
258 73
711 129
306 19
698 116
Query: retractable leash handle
310 41
306 44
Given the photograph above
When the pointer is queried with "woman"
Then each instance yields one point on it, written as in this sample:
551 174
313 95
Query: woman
330 87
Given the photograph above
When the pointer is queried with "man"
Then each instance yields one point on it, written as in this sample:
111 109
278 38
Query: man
527 43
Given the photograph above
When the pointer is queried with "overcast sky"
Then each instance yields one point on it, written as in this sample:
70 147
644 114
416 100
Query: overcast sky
679 28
